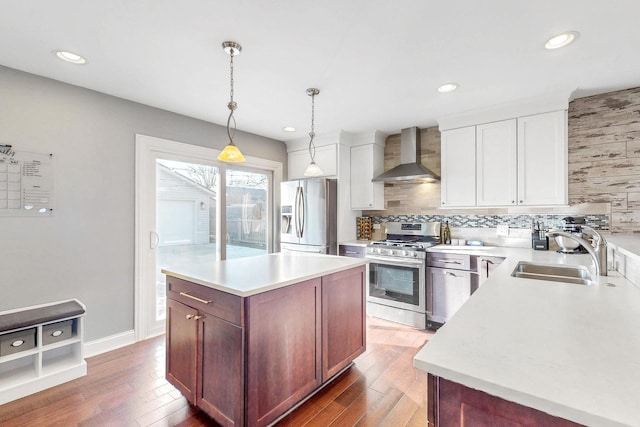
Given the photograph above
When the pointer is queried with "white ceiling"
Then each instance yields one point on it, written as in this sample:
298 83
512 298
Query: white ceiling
377 63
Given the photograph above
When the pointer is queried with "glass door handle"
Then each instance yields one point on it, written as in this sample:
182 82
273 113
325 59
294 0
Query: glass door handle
154 239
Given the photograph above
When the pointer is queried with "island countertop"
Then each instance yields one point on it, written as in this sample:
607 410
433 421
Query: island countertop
569 350
253 275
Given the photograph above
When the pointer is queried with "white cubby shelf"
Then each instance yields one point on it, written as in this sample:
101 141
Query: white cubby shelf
39 366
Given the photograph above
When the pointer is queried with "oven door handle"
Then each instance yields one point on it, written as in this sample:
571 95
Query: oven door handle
396 261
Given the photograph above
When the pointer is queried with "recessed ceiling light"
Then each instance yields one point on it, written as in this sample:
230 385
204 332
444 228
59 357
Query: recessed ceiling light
448 87
289 129
561 40
74 58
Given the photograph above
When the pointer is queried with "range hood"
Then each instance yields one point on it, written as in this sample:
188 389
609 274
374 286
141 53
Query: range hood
410 169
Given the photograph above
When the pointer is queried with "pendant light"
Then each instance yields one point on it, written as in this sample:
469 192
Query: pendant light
231 152
313 169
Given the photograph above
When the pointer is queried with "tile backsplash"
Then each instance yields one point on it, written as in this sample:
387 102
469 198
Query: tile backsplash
551 221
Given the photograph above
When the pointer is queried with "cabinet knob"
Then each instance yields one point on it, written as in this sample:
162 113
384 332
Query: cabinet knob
513 201
193 317
521 201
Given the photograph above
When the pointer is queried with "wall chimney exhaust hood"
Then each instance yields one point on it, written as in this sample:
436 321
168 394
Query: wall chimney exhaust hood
410 170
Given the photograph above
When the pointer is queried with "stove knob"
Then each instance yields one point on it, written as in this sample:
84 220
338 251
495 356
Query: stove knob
391 251
415 254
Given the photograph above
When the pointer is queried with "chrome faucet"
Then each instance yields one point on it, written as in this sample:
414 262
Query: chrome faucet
598 251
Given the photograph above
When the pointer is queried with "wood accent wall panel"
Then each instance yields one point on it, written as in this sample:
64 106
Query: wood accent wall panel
604 155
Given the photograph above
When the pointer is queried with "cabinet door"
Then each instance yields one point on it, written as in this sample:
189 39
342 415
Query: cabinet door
181 348
220 390
448 291
542 159
458 148
326 159
496 160
283 349
366 164
343 319
486 266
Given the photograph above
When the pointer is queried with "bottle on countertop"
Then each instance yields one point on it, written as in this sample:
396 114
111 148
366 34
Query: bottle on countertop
447 234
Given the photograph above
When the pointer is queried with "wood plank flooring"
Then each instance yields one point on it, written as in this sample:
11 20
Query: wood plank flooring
126 387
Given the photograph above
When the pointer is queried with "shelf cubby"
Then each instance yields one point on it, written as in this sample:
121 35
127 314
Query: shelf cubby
46 365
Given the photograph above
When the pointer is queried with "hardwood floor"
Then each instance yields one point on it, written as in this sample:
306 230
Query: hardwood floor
126 387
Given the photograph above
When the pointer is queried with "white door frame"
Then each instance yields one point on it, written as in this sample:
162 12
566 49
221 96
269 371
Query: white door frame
148 148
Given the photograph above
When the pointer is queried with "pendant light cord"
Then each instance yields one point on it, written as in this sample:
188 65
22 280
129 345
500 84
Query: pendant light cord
231 105
312 134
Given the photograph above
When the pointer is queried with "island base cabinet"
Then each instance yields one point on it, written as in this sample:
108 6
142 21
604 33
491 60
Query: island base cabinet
343 320
450 404
205 349
283 340
181 357
220 391
246 361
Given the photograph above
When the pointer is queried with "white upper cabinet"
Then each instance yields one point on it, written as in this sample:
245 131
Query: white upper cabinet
496 157
542 159
458 151
326 159
515 162
367 162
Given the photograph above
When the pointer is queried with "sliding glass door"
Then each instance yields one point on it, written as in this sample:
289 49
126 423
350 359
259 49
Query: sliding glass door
190 208
186 217
247 210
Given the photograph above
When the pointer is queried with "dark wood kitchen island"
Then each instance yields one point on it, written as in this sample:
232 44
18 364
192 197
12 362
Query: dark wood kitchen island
250 338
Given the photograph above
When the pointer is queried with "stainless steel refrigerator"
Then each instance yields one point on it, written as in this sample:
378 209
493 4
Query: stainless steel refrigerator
309 213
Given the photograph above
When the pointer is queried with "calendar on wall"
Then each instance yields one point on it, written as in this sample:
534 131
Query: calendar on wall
26 183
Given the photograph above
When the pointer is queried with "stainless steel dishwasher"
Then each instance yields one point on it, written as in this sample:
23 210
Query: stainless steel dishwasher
451 279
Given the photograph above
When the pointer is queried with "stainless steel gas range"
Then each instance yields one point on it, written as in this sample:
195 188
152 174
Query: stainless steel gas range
397 272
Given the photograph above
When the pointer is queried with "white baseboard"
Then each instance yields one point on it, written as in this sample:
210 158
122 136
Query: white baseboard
102 345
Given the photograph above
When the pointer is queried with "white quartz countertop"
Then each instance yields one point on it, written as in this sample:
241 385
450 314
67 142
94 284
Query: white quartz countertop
257 274
629 244
570 350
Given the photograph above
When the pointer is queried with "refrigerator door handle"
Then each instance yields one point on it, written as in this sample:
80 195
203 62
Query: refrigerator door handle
300 215
297 211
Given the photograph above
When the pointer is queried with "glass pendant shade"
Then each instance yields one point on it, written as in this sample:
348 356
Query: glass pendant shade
231 154
313 170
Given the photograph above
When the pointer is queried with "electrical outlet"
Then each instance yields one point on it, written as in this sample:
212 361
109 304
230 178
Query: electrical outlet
376 226
503 229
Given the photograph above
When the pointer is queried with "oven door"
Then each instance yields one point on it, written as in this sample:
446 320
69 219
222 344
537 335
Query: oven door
397 282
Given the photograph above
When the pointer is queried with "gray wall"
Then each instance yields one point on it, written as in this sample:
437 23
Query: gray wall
86 249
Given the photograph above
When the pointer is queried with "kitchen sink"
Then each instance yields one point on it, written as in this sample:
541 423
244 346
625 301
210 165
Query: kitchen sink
577 274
